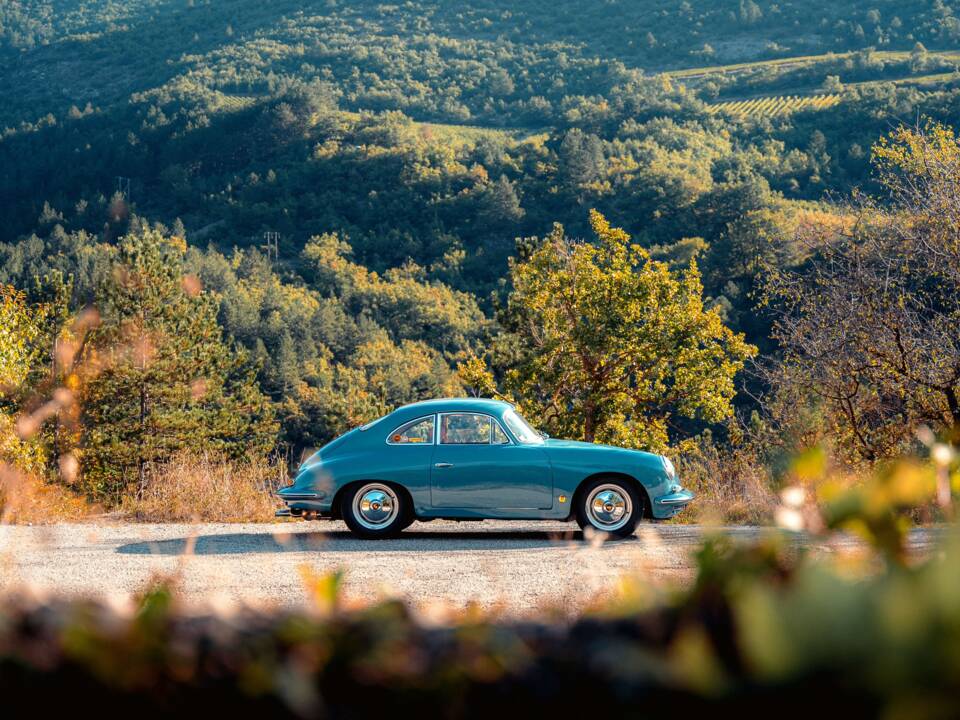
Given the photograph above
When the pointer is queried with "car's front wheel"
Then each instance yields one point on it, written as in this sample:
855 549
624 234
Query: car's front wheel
610 505
375 510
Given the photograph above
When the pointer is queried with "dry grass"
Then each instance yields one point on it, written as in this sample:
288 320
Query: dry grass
27 499
208 488
732 486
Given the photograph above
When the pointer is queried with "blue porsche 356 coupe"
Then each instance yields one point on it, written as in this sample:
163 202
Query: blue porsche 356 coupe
470 459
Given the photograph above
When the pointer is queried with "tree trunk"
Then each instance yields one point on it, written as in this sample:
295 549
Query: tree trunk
589 421
53 383
953 403
141 461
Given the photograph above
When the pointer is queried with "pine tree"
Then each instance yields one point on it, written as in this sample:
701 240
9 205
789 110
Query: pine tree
159 377
581 158
500 205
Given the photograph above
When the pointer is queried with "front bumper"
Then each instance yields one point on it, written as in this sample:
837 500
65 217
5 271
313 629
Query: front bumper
667 506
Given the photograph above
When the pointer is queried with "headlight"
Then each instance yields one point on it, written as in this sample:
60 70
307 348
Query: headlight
668 467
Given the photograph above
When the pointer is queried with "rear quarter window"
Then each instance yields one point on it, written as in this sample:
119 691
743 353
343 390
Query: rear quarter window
415 432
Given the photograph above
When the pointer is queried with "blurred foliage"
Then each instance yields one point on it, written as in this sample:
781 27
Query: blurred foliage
763 628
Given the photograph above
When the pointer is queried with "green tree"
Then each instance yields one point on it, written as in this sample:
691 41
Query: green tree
20 331
750 12
499 204
617 348
581 158
159 378
399 300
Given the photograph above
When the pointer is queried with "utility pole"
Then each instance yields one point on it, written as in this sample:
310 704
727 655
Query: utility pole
271 245
123 187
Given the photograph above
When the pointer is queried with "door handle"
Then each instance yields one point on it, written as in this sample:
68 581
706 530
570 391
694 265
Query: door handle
443 465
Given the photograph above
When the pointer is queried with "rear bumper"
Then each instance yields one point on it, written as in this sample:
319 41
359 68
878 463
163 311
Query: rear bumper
289 497
303 503
667 506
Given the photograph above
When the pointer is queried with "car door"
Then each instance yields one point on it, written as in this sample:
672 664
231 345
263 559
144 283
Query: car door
407 459
477 465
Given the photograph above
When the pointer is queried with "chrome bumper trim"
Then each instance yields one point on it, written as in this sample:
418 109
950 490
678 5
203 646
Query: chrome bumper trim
679 498
292 497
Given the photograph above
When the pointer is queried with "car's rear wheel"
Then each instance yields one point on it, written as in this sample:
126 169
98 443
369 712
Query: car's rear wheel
611 505
375 510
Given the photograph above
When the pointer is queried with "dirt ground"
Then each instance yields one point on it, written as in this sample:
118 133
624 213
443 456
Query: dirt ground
509 567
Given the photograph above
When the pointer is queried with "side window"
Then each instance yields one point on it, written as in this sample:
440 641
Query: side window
419 431
465 429
499 437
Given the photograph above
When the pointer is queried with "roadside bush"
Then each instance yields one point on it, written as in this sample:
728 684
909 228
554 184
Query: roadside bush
208 487
733 484
27 498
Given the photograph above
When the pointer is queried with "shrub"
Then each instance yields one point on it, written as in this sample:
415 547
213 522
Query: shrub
26 498
733 484
208 487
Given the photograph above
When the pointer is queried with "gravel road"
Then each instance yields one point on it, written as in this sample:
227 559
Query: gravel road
512 567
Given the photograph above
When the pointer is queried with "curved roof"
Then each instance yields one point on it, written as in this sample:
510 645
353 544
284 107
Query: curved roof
457 404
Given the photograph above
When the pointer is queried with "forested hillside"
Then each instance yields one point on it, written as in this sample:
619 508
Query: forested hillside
351 179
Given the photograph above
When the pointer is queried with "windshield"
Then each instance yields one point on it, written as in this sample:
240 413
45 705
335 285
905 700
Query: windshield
521 429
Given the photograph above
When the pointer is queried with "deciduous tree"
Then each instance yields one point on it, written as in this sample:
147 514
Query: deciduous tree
870 324
614 347
20 331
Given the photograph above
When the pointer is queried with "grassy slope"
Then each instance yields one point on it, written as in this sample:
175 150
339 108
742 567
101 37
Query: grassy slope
466 135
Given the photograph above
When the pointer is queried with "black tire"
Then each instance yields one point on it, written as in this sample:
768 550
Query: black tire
375 510
621 494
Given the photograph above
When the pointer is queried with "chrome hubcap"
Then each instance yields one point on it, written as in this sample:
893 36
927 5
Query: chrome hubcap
375 506
609 507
